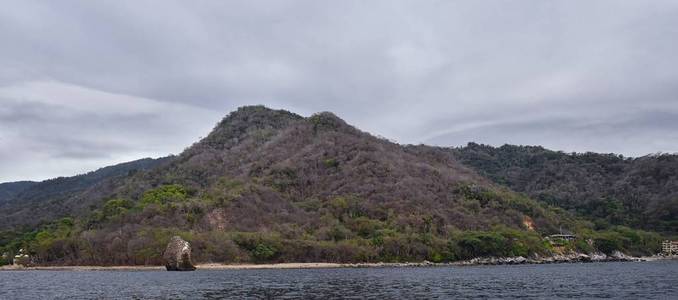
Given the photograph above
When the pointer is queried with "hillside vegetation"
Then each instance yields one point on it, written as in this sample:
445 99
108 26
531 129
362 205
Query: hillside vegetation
607 189
28 203
10 190
272 186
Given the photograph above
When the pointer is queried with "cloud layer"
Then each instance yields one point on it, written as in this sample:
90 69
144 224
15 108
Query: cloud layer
89 83
51 129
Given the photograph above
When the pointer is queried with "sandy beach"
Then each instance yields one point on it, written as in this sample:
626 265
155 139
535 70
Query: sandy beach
215 266
211 266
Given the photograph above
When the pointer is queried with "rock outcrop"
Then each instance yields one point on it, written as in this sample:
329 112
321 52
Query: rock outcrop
177 256
572 257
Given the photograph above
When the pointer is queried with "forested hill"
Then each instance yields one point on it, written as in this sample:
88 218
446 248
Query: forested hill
272 186
28 203
9 190
606 188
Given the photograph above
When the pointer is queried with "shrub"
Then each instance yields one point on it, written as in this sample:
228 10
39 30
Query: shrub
116 207
478 244
331 163
365 227
608 242
5 261
163 195
262 247
264 252
582 245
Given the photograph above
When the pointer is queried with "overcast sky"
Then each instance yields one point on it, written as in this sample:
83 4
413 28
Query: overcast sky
85 84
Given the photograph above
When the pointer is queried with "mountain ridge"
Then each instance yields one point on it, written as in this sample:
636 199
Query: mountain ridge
639 192
9 190
34 195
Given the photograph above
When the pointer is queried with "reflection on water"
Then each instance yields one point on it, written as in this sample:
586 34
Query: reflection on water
648 280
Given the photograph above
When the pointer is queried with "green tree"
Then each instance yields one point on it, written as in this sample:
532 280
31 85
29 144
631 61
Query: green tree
164 194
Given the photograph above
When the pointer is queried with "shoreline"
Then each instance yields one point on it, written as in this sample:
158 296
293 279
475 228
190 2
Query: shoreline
321 265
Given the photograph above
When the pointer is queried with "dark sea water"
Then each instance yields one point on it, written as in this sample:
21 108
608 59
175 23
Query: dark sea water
629 280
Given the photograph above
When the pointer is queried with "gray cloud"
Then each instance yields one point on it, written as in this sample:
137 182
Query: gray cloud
84 84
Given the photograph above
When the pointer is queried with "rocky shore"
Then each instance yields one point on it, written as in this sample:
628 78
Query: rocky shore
555 259
519 260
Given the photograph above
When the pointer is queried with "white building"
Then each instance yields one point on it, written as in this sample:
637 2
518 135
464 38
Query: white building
21 259
670 247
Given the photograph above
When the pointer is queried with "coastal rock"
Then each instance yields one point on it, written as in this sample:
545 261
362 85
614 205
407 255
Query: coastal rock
177 255
570 257
619 256
427 263
583 257
597 256
616 255
519 260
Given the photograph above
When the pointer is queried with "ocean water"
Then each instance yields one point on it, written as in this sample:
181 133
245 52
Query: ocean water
623 280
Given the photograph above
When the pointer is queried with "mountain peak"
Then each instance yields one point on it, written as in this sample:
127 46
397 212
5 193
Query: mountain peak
256 114
327 121
247 118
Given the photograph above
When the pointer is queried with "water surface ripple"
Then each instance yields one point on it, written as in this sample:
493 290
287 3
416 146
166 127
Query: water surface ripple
629 280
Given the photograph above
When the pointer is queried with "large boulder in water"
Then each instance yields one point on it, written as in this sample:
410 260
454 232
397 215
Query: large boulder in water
178 255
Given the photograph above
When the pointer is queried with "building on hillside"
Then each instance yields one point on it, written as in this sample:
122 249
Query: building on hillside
560 239
670 247
567 237
22 258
